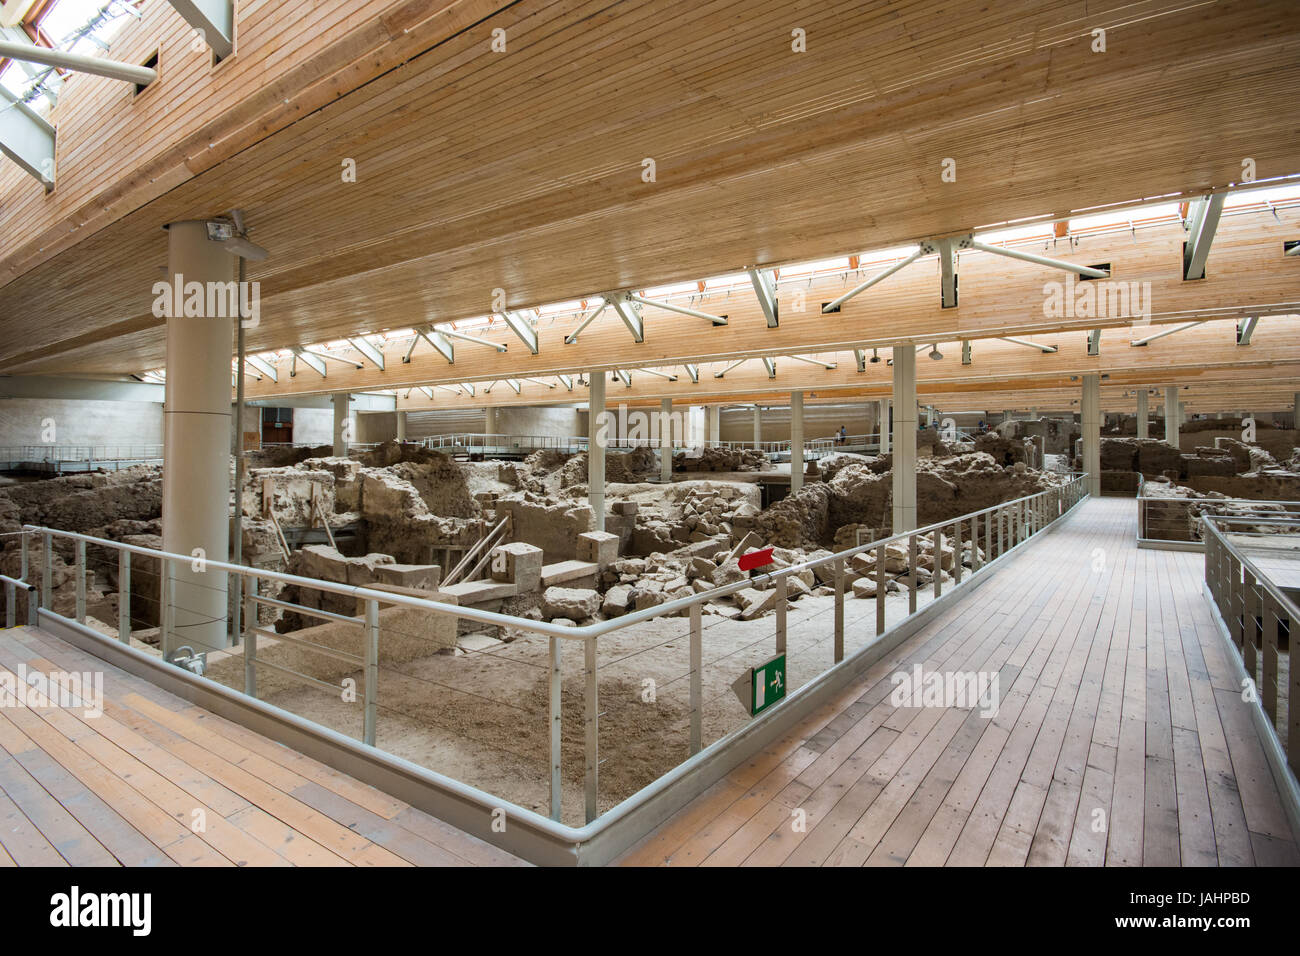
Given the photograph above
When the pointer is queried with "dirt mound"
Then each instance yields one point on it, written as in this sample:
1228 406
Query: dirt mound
84 502
826 514
1004 451
282 457
624 467
389 453
544 461
719 459
441 483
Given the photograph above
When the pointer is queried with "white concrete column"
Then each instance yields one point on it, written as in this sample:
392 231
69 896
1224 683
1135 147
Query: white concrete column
1033 414
344 431
796 442
196 436
758 426
1295 410
1143 414
401 426
904 466
1171 415
490 420
1090 427
597 436
929 416
883 428
666 439
1182 414
715 423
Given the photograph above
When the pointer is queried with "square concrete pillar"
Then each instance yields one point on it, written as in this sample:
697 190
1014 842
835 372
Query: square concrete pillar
1143 414
1090 427
904 464
600 547
1171 416
665 439
796 442
518 563
344 424
597 438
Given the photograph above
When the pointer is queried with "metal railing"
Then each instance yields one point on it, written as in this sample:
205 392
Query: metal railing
964 547
491 443
66 457
1177 521
31 595
1258 612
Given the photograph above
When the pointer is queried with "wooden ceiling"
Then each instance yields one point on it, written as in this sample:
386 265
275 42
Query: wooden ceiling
1204 357
1248 274
523 170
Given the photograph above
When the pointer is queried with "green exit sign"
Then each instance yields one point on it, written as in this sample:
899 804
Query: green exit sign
768 684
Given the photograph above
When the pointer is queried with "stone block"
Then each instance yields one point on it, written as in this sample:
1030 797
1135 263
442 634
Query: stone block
424 576
598 546
520 563
573 603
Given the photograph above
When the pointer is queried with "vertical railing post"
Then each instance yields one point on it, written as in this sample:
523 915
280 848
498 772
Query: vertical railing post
956 552
697 679
912 582
47 571
1269 612
372 671
22 538
781 606
557 727
591 757
988 535
937 537
839 609
80 572
1293 713
1002 530
1249 602
164 604
250 638
880 590
11 615
1235 624
124 596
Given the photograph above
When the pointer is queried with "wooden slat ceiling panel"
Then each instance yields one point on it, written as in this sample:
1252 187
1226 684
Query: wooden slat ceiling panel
1246 272
522 170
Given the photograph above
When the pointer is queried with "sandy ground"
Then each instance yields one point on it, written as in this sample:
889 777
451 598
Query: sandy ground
481 718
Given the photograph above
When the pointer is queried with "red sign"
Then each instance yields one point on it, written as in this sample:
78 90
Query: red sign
756 559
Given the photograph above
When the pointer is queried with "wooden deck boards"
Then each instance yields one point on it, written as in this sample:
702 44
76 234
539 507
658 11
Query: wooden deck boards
154 780
1120 738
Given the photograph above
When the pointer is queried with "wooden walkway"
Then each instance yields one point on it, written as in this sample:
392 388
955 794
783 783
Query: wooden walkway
155 780
1121 737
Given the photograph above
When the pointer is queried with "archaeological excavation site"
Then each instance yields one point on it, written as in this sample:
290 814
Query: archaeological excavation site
477 433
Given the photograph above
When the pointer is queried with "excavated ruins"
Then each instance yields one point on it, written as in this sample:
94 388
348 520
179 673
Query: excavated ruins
471 700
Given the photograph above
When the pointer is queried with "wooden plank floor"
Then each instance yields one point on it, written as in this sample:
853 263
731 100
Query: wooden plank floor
154 780
1120 738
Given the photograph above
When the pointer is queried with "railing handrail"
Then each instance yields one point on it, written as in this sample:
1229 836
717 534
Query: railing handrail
579 633
1260 577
